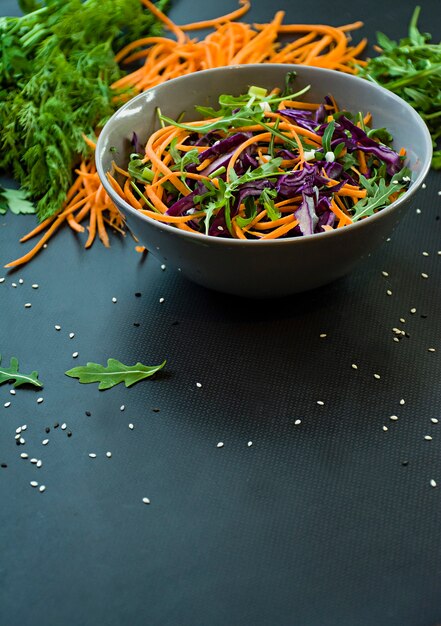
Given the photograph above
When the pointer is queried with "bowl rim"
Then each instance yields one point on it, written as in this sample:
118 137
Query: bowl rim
226 241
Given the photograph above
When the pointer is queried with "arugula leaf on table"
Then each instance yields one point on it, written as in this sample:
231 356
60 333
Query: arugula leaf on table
115 373
11 373
15 200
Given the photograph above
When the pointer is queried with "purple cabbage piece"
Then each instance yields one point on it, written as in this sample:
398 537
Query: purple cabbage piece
285 154
253 188
306 215
186 202
245 162
326 219
224 145
302 118
135 143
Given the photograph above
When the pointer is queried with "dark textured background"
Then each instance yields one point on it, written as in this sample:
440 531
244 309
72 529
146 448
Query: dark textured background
313 525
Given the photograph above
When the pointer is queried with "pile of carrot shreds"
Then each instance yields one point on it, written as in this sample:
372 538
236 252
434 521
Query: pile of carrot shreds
230 43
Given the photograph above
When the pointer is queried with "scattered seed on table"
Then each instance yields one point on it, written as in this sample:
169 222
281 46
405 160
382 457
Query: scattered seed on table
297 422
424 185
47 430
63 426
249 444
425 254
23 455
404 463
88 413
385 428
161 300
354 366
439 193
198 384
431 349
114 300
323 335
39 463
71 335
389 292
12 392
92 455
402 401
137 324
402 320
2 280
35 286
33 461
28 305
22 441
13 284
385 274
423 275
122 407
434 420
413 310
69 433
433 483
33 483
146 501
131 426
17 437
108 455
393 418
56 425
45 442
163 267
21 281
377 376
138 294
7 404
42 488
74 355
4 465
40 400
18 430
427 437
320 402
220 444
396 339
57 327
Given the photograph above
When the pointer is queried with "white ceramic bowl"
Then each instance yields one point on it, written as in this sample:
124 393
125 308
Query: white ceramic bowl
269 267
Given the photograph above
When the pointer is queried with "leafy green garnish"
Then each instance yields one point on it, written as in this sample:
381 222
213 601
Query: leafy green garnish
11 373
378 194
267 199
15 200
327 136
115 373
411 68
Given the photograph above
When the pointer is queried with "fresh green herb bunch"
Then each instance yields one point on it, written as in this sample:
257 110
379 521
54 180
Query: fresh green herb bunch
411 68
56 67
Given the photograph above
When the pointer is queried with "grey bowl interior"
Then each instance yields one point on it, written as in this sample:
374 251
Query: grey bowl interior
272 267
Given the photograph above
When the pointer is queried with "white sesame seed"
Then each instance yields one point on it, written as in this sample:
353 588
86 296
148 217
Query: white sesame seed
45 442
389 292
439 193
402 320
161 300
320 402
7 404
377 376
424 185
413 310
431 350
17 437
42 488
323 335
108 455
402 401
35 286
163 267
386 274
114 300
45 246
388 239
131 426
393 418
220 444
434 420
74 355
122 407
71 335
12 392
396 339
24 427
57 327
28 305
423 275
34 461
297 422
2 280
198 384
40 400
21 281
354 366
39 463
63 426
249 444
23 455
92 455
146 501
385 428
18 430
418 211
425 254
13 284
433 483
33 483
427 437
439 252
22 441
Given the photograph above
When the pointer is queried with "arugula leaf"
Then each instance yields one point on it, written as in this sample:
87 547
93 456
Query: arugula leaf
15 200
378 194
115 373
327 136
250 212
267 199
11 373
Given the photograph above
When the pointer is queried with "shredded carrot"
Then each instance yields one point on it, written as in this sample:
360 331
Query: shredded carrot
229 42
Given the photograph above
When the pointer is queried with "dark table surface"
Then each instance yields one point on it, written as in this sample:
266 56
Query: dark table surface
331 522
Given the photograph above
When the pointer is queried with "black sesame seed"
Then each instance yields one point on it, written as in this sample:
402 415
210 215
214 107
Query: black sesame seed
88 413
407 335
69 433
56 425
156 410
437 218
47 429
17 442
424 316
404 463
138 294
175 323
3 465
137 324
